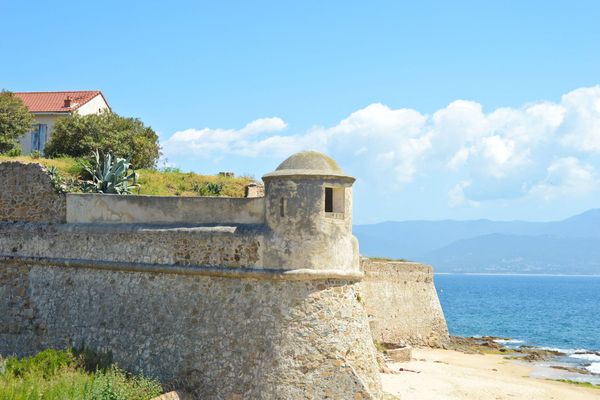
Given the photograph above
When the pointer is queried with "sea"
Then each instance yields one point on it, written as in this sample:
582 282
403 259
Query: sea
554 312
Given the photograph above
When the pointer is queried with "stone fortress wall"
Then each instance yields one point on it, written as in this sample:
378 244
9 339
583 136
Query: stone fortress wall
227 298
27 194
402 304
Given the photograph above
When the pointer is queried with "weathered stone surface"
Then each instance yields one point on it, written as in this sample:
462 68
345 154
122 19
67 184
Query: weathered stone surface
253 190
231 246
214 337
134 209
27 194
402 303
400 354
174 395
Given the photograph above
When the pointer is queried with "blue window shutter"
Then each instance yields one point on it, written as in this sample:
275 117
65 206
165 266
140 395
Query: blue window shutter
43 137
35 138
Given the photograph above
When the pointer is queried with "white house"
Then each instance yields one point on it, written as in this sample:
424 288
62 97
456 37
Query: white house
47 107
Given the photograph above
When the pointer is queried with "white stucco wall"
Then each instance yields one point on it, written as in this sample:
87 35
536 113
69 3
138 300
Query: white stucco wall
94 106
48 119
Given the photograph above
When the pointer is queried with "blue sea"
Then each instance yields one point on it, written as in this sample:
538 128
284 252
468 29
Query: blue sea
555 312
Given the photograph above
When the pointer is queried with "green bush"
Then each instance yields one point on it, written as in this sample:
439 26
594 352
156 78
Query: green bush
14 152
44 364
78 136
208 188
62 375
15 120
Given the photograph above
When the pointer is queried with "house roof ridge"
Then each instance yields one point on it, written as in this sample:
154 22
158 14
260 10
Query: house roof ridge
41 102
60 91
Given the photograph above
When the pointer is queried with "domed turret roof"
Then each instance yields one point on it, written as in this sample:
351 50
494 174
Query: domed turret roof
308 163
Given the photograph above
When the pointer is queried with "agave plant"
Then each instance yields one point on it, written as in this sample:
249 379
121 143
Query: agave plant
109 174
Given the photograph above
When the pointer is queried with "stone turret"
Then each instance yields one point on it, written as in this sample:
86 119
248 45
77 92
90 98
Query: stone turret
308 202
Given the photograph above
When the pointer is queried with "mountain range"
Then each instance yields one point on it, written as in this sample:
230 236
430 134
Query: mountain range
570 246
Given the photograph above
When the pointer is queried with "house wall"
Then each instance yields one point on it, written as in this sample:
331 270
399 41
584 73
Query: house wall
48 119
402 304
94 106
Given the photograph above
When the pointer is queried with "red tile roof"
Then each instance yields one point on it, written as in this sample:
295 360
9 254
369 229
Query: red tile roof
52 102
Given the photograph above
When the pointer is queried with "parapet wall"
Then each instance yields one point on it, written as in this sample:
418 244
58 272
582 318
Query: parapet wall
26 194
129 209
402 303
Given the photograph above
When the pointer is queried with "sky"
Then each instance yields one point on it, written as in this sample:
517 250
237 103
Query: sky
441 110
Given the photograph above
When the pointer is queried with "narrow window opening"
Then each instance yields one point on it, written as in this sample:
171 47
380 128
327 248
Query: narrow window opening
328 199
334 200
282 207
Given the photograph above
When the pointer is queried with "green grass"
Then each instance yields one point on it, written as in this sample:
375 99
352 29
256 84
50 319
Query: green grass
153 182
62 375
577 383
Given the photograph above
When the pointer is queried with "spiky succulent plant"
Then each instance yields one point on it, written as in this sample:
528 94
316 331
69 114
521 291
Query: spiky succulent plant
109 174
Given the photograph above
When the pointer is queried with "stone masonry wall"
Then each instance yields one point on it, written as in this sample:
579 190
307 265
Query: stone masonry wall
26 194
231 246
402 303
219 338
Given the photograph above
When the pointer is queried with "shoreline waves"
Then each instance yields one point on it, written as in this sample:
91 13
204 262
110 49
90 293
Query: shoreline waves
435 374
578 365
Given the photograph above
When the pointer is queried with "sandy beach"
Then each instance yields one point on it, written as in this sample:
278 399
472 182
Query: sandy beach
449 375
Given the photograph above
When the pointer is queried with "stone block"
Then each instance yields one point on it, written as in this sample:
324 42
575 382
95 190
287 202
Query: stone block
400 354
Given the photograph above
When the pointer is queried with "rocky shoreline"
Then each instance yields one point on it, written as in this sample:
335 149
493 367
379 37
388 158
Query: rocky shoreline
540 357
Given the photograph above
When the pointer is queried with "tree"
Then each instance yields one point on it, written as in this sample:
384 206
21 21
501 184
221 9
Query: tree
80 136
15 120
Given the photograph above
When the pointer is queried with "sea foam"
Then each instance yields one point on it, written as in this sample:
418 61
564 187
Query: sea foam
508 341
594 368
586 356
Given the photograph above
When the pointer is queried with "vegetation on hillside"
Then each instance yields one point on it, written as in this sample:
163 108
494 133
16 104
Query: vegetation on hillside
107 174
15 120
167 182
71 375
78 136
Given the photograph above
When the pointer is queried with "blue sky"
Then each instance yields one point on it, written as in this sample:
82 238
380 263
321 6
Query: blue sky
440 109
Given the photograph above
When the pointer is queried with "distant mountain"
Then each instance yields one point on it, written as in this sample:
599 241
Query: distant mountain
571 246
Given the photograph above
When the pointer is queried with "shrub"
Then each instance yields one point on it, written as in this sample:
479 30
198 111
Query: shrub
15 120
14 152
207 188
62 375
44 364
78 136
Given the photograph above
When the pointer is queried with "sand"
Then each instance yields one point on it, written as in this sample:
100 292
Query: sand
448 375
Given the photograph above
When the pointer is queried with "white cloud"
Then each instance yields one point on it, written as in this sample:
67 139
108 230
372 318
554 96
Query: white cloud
457 197
582 120
567 177
262 125
459 158
207 142
495 154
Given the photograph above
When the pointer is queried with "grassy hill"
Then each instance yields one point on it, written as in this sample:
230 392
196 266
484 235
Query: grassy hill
154 182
